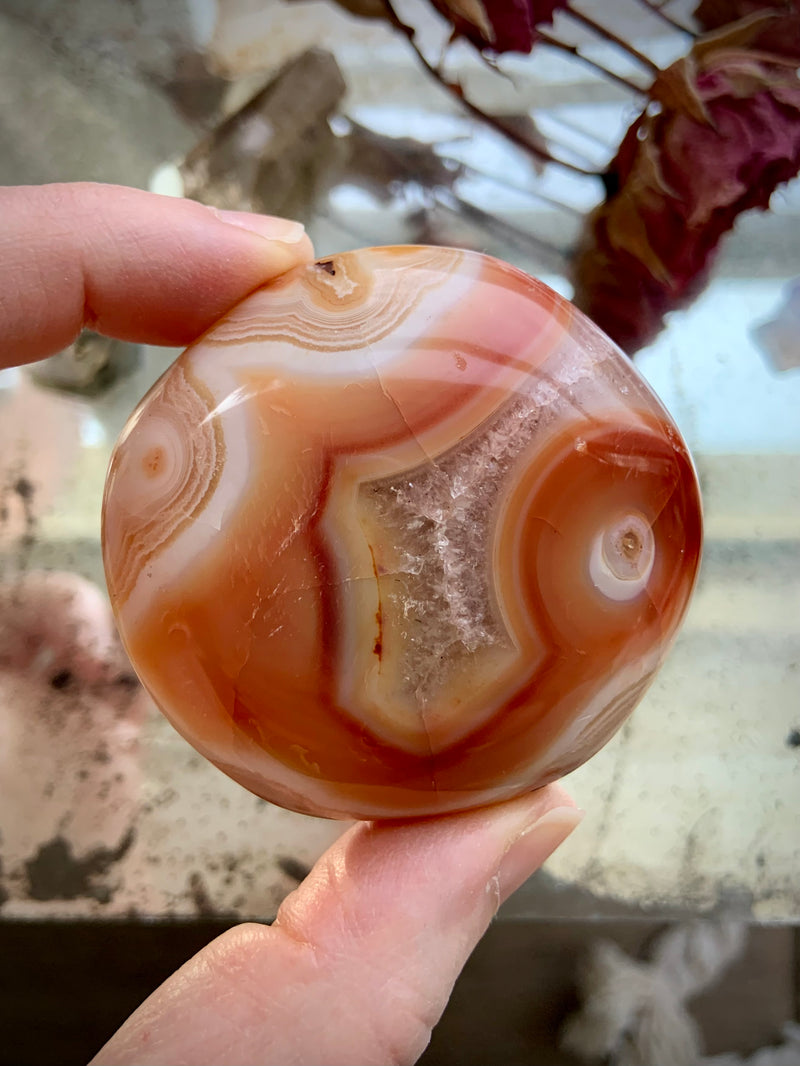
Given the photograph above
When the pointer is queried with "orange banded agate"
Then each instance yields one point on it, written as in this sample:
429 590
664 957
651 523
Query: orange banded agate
403 534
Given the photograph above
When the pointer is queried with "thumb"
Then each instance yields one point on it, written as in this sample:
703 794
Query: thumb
362 957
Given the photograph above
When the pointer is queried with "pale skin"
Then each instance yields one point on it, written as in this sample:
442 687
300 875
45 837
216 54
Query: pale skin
361 959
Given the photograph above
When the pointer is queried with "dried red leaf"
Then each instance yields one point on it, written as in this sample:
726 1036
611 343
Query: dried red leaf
721 133
499 26
713 14
780 36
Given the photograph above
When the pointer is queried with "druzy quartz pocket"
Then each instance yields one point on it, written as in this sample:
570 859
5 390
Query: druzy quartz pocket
404 533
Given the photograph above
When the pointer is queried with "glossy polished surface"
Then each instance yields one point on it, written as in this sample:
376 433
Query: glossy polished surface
403 534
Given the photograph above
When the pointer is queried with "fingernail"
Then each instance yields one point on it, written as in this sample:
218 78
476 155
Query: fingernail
274 229
533 846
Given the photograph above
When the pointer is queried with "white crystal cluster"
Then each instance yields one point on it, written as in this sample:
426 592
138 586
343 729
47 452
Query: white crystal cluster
443 514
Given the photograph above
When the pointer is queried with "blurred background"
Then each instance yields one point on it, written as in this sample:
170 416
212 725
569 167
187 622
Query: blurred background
121 851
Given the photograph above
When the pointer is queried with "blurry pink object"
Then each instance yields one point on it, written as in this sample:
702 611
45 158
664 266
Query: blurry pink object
52 623
35 466
69 727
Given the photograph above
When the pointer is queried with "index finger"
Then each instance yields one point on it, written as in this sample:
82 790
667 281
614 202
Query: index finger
128 263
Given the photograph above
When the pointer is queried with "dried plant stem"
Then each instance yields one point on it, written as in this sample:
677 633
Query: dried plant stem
571 49
521 190
658 10
344 223
533 149
612 38
460 168
555 257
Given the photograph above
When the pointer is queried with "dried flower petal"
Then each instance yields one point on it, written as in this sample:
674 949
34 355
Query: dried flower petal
780 36
499 26
713 14
721 133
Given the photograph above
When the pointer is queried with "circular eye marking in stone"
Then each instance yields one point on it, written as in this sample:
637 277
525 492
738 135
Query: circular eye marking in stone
622 557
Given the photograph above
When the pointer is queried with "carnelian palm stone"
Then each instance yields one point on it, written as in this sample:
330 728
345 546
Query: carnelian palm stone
404 533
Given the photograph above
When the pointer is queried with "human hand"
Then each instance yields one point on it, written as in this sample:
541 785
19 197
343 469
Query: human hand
128 264
361 959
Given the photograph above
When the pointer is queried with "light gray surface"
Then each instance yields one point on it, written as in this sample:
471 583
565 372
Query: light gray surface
66 118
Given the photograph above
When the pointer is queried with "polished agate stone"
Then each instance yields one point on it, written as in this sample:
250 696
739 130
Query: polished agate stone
404 533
